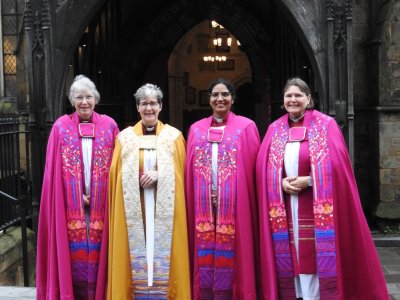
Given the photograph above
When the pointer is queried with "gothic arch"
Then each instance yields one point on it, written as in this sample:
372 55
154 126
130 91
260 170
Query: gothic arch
65 38
299 13
171 22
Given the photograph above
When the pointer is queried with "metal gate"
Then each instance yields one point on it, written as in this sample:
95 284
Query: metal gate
15 200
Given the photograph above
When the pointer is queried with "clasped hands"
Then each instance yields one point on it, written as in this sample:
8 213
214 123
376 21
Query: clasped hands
148 179
294 184
86 200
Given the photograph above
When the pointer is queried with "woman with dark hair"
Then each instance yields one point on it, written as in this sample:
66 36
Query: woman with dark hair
73 219
221 203
312 227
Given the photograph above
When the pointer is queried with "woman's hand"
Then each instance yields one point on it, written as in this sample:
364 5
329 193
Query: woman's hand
86 200
148 179
295 184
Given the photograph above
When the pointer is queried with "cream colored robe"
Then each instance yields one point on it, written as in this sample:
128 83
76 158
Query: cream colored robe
119 262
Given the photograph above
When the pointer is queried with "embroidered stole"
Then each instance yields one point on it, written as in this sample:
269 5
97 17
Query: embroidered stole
300 206
215 231
322 206
164 145
85 246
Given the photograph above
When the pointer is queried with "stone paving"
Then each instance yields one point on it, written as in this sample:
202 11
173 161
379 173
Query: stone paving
389 254
390 261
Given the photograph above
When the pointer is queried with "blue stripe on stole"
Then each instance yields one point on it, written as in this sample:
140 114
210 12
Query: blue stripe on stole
78 246
277 236
324 233
225 253
218 253
203 191
73 187
205 252
226 190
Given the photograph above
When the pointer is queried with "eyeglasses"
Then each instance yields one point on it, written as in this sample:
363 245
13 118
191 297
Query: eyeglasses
143 105
223 94
81 98
296 96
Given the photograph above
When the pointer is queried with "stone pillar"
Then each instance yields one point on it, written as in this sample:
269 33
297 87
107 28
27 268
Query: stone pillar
340 64
389 113
38 59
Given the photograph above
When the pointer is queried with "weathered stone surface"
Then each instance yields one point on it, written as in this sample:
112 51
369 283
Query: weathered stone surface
389 162
395 177
396 31
387 193
384 146
359 31
383 117
395 117
11 269
388 210
384 176
384 97
396 70
389 129
395 147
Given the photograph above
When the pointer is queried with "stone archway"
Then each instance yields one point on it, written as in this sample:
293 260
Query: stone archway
138 45
170 22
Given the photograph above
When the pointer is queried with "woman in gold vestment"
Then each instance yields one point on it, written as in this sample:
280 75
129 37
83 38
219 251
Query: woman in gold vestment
148 246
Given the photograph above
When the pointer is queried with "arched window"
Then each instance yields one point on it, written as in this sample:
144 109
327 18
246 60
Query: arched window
9 28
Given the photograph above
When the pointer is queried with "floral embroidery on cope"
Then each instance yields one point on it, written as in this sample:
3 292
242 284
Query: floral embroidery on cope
215 236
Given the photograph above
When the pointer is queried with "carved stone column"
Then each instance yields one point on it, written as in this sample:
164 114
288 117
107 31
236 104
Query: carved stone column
340 64
37 26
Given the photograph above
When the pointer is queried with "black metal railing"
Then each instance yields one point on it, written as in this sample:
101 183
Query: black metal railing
15 204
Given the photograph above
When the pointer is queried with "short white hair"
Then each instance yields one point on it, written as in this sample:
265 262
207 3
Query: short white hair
148 90
80 83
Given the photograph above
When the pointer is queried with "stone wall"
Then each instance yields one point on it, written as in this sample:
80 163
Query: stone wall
389 112
11 267
389 165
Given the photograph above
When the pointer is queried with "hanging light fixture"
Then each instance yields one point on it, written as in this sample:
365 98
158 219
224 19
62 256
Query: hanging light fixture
221 42
214 58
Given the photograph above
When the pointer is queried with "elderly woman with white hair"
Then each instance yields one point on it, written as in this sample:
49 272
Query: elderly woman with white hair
73 220
148 247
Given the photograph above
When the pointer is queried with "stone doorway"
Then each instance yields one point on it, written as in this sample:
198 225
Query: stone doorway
121 48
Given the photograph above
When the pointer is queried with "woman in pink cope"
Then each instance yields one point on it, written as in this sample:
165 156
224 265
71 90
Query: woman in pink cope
73 220
221 200
312 228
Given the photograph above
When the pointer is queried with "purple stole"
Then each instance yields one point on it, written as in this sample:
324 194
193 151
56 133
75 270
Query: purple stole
84 253
215 235
323 210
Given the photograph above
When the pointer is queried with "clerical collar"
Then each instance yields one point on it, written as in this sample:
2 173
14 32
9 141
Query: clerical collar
85 121
218 121
294 120
149 130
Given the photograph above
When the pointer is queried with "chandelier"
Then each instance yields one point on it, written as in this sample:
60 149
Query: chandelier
214 58
220 43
